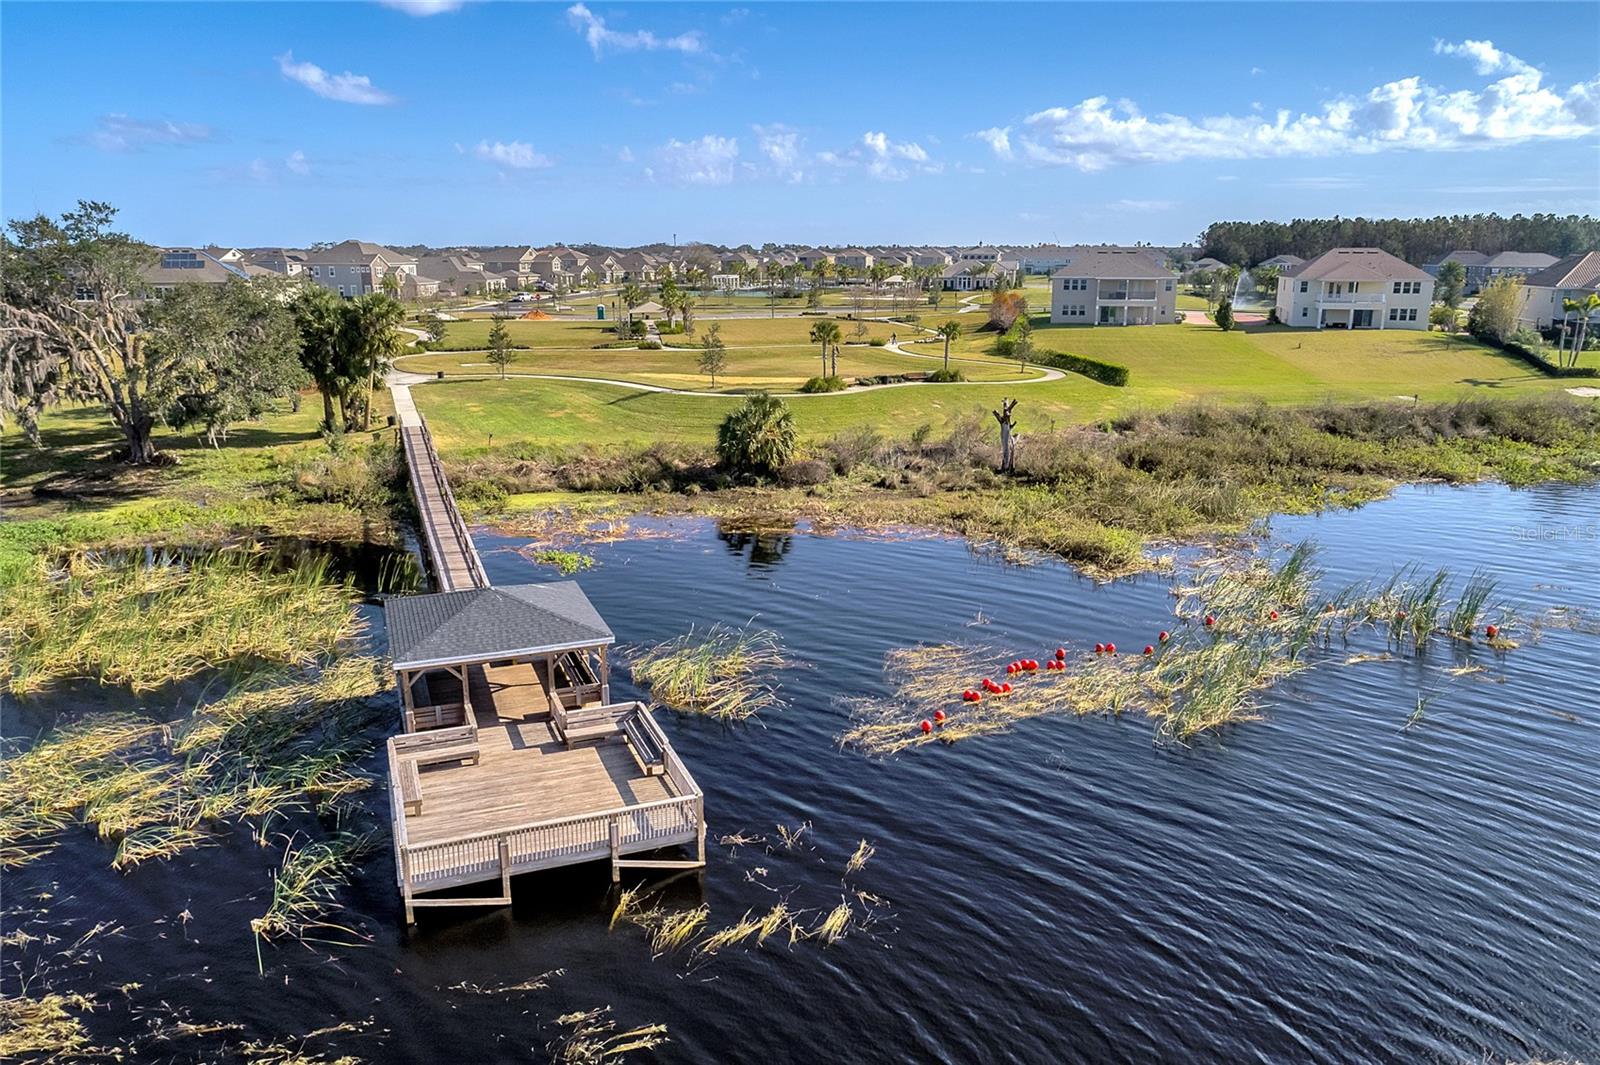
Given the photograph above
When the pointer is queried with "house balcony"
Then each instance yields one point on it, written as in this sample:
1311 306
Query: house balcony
1359 299
1127 296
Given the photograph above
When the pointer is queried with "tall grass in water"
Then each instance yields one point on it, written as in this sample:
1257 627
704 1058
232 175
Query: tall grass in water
143 623
593 1038
718 674
283 741
45 1026
1471 605
304 886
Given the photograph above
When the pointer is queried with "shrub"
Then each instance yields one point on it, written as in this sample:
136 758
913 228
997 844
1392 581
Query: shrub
650 345
1272 317
944 377
758 437
824 384
803 473
1224 315
877 342
1107 373
854 447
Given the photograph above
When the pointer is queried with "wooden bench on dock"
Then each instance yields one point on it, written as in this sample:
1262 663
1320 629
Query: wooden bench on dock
412 750
585 723
646 741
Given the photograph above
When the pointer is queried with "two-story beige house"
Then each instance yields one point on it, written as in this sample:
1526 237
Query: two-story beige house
1113 286
515 264
354 267
1355 288
1545 293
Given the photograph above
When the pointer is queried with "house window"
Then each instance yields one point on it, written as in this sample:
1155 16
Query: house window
1397 288
1393 312
1305 286
1169 286
1305 312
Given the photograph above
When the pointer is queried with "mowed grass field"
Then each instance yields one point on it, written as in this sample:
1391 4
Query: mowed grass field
1168 365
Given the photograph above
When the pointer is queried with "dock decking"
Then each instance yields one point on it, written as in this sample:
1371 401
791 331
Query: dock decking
512 757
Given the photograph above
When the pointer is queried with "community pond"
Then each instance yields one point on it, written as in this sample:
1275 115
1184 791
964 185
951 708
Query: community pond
1396 861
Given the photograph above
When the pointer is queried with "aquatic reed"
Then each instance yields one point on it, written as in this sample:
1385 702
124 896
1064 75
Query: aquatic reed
593 1038
147 621
790 837
47 1026
1470 605
863 853
719 673
833 926
304 886
280 741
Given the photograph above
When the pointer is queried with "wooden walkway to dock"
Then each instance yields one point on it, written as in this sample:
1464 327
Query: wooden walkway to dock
512 757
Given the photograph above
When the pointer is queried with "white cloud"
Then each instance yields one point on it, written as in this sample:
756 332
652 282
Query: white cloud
625 154
117 132
347 87
423 8
999 139
1144 205
1407 114
884 156
707 160
298 163
602 37
515 154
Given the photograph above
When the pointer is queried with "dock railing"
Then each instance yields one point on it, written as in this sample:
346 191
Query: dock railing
458 527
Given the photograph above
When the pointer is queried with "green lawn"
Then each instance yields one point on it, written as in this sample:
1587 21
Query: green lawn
1169 364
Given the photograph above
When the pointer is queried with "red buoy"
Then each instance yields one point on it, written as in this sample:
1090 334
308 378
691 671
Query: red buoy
1273 615
938 715
1211 619
927 726
1400 614
1099 648
1165 636
1491 631
1149 649
1006 686
1111 648
1061 652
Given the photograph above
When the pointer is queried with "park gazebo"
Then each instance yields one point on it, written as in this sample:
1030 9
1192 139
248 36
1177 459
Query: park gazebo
513 757
435 639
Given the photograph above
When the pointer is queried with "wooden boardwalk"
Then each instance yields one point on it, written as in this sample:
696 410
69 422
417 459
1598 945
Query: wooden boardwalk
454 559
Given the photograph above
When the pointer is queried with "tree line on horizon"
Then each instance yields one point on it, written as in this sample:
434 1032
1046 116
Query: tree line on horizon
1416 240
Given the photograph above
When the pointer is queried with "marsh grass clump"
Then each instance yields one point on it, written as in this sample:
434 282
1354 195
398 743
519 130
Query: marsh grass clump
145 622
47 1025
833 925
279 742
566 562
593 1039
718 674
1471 605
304 888
858 860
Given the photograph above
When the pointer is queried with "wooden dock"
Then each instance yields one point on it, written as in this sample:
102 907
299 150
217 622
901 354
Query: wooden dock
512 758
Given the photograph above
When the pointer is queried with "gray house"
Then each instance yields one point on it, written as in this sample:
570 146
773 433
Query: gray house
354 267
1113 286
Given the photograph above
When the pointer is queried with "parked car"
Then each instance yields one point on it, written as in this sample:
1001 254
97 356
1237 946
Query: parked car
522 297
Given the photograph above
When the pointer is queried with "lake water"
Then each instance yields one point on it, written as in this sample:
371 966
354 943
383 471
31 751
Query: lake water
1323 884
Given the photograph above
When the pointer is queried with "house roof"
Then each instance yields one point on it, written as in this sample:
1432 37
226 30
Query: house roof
349 251
649 307
1575 271
1520 260
1466 257
181 266
1120 263
1285 260
1358 264
509 255
485 624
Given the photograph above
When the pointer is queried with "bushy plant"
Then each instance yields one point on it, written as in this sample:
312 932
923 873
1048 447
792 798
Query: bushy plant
758 437
942 377
824 384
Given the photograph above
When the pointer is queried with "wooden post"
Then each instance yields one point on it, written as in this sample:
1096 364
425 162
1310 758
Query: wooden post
408 706
605 677
505 869
405 885
700 845
616 850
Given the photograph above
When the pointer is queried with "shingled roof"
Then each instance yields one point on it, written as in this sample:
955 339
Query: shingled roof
485 624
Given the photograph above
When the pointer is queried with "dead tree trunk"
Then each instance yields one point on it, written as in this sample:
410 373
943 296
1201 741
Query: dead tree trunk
1007 423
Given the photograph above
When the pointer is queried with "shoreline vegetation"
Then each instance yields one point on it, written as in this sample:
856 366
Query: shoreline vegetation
1096 496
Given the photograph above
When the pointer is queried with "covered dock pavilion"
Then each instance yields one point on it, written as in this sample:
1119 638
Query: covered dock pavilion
513 757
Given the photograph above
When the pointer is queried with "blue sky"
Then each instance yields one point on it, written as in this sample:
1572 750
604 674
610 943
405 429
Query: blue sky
503 122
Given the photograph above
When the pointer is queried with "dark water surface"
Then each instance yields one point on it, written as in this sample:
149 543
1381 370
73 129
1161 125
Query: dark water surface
1320 885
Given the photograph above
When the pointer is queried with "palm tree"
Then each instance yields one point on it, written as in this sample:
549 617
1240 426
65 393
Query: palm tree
951 331
1584 309
825 333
